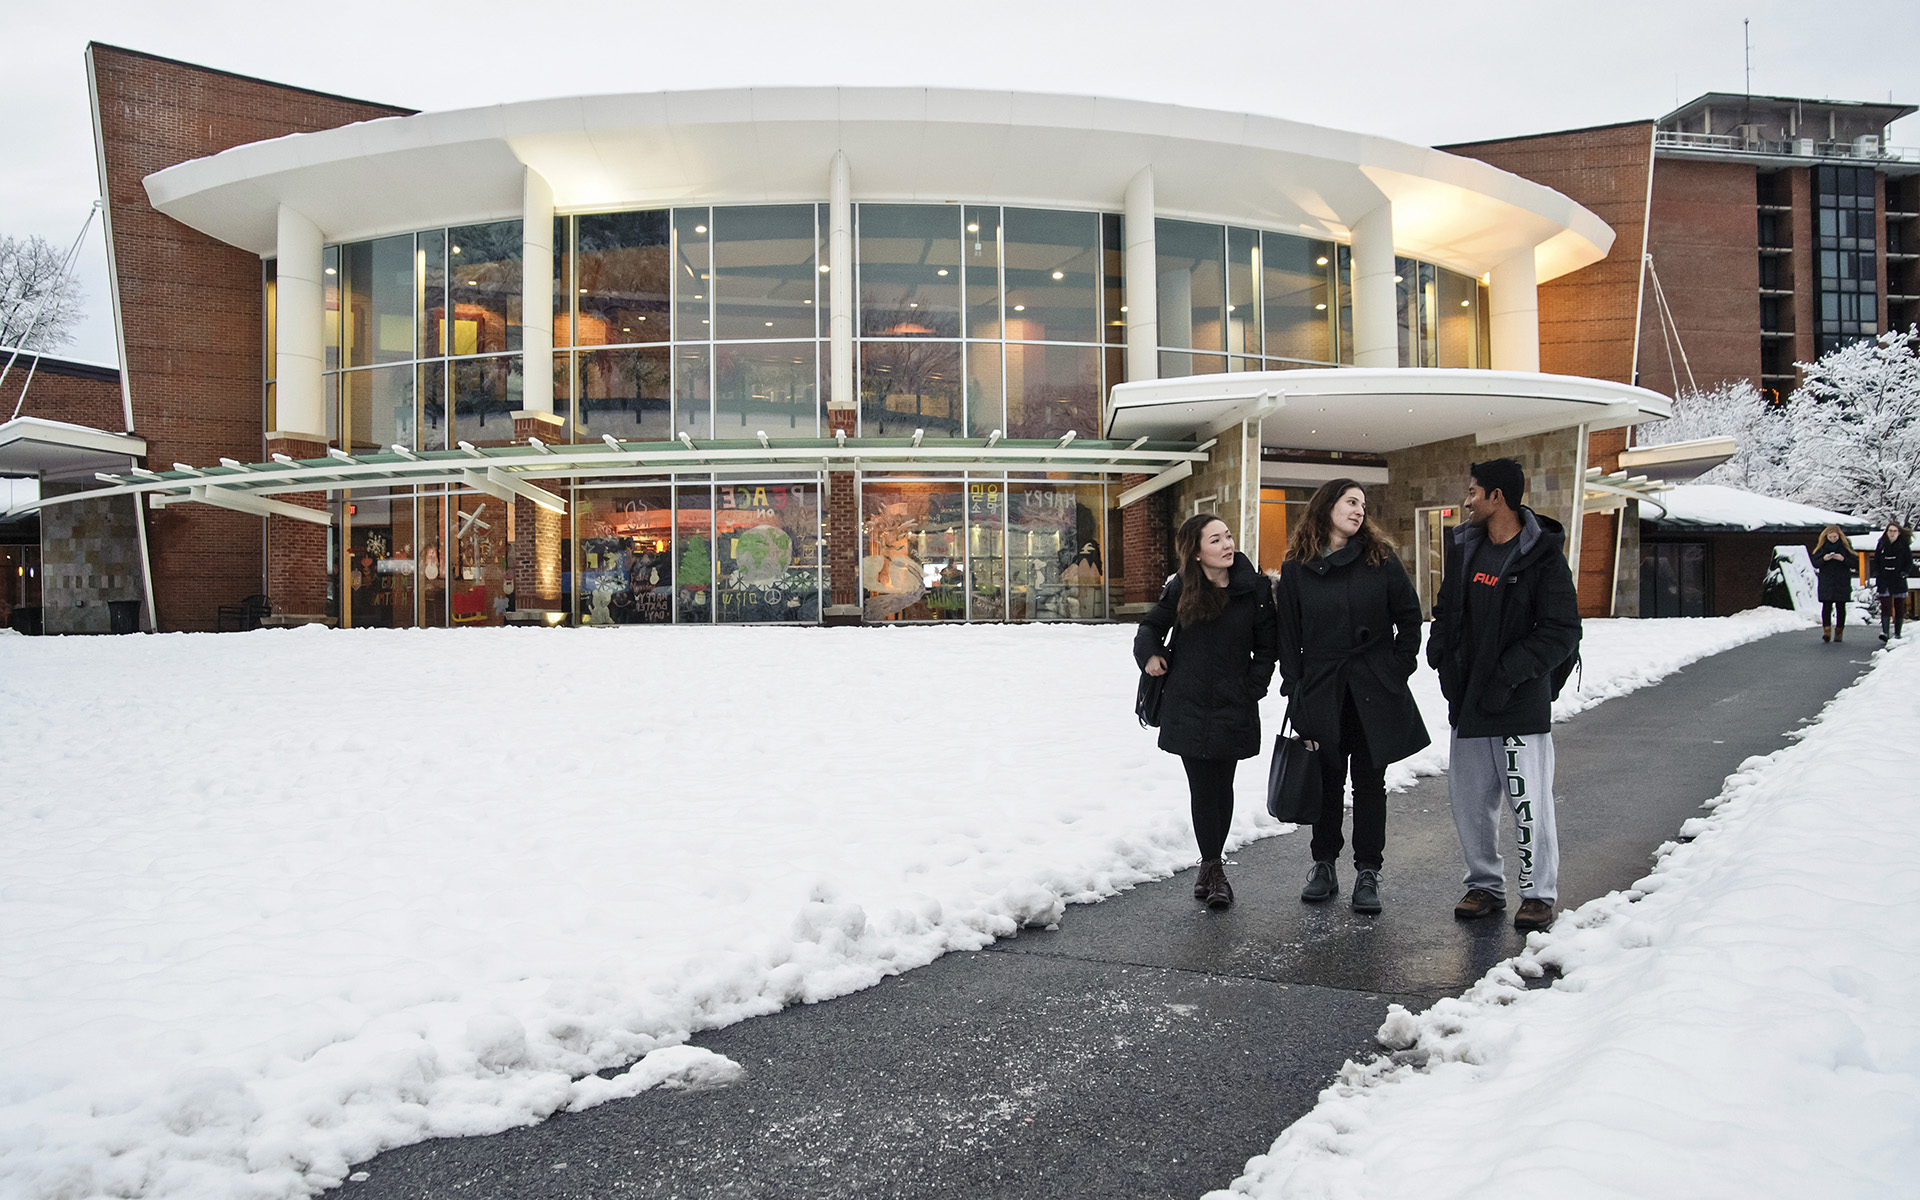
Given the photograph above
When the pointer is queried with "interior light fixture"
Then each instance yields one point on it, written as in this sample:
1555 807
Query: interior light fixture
974 228
699 228
769 324
1230 308
456 249
1466 304
1320 308
1396 279
1123 308
806 302
331 271
1059 274
626 329
1321 261
824 270
640 318
1019 308
583 291
941 271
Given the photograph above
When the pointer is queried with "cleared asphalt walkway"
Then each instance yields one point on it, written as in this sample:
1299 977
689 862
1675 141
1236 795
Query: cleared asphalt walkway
1147 1047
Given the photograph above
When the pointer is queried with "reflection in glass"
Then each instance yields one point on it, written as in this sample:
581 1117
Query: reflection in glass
980 253
626 555
1243 299
1113 255
563 285
380 407
1297 295
380 564
1052 389
768 537
1053 275
772 387
909 385
483 268
1055 568
627 393
379 299
479 591
330 293
913 563
486 393
623 264
430 578
692 275
1457 341
430 276
1192 287
693 391
1343 288
909 257
764 272
987 548
693 543
432 397
986 390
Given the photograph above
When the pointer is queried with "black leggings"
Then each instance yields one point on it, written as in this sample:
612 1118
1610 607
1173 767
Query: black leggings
1833 612
1211 782
1369 797
1894 607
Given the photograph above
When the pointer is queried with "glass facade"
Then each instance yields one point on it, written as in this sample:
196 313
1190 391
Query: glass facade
1848 267
712 321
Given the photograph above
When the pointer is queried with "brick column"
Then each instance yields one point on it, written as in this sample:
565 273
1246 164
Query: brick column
297 550
1144 526
534 553
843 548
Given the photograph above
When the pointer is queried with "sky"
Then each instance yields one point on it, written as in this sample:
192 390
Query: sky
1424 73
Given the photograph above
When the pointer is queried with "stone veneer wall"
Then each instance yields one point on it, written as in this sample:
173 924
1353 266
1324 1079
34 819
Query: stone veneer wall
89 554
1231 477
1437 474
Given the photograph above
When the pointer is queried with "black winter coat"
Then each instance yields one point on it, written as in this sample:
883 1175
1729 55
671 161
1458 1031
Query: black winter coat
1892 563
1835 564
1507 687
1347 625
1218 670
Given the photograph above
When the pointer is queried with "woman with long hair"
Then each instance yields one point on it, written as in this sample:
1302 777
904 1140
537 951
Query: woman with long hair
1834 564
1892 564
1219 610
1349 639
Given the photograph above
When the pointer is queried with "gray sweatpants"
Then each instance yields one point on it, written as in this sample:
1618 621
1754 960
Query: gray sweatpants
1487 771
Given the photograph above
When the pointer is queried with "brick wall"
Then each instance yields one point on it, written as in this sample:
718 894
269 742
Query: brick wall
1704 237
843 539
77 393
190 306
1147 538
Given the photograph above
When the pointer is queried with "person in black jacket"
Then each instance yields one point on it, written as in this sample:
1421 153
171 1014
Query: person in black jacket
1834 564
1506 630
1219 610
1892 563
1349 640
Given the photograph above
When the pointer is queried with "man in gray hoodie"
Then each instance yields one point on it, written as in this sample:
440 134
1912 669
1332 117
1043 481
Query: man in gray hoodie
1505 636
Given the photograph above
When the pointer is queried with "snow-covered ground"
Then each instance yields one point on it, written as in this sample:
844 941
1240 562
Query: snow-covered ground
1745 1021
273 902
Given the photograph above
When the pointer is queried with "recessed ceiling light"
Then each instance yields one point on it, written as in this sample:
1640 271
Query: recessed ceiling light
941 271
583 291
974 228
1466 304
1230 308
1320 308
824 270
769 324
1123 308
1019 308
642 318
913 304
1059 274
806 302
1396 279
699 228
1321 261
330 271
626 329
456 249
699 297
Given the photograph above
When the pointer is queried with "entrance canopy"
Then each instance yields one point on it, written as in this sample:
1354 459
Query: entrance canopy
55 450
507 472
1376 410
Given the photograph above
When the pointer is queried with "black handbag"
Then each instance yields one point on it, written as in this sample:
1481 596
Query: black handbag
1147 697
1293 779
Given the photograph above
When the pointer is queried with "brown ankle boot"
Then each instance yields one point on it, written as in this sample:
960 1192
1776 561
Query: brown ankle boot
1826 633
1219 891
1203 882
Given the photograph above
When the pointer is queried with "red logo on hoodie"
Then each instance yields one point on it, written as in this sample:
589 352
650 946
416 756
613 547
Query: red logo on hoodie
1483 577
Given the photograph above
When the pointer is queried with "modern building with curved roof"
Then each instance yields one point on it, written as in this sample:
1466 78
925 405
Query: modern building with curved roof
798 354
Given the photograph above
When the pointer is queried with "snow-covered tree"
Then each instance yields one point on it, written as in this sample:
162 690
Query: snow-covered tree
1856 419
1763 432
39 303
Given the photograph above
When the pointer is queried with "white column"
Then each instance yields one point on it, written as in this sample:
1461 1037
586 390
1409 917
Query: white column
1376 310
840 282
300 398
1514 314
1142 283
536 294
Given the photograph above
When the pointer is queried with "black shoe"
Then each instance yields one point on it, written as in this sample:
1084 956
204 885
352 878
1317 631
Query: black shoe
1477 903
1323 884
1204 880
1366 892
1219 891
1534 914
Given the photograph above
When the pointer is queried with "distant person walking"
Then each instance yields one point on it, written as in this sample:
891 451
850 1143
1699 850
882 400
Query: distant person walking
1506 629
1219 609
1834 562
1892 564
1349 640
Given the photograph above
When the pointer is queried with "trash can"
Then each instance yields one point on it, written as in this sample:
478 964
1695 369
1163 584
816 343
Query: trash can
123 616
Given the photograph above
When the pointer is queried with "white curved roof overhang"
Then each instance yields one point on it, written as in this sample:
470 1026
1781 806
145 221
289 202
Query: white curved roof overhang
1377 410
767 145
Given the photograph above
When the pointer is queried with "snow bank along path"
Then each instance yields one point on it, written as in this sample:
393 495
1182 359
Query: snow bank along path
1745 1021
274 902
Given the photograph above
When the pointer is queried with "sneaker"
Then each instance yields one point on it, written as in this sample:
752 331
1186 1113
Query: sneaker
1477 903
1534 914
1366 892
1219 891
1323 884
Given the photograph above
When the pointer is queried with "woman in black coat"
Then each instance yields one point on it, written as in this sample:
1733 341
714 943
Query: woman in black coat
1892 563
1349 640
1219 609
1834 563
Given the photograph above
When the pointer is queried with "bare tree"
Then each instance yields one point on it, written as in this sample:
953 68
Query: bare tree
39 300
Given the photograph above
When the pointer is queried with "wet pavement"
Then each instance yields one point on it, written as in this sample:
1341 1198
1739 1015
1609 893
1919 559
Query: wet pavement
1147 1047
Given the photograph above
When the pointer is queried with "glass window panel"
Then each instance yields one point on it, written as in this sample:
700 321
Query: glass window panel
477 583
1113 254
380 566
627 393
1176 364
483 267
431 577
1053 274
768 537
1343 287
332 384
909 258
1055 567
986 390
379 299
430 277
270 273
1425 301
432 397
693 391
1297 275
693 543
913 563
380 407
823 255
1243 299
769 387
1406 286
763 271
1051 389
486 394
692 275
622 281
909 385
980 252
1457 303
563 285
626 555
1192 285
330 290
987 548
